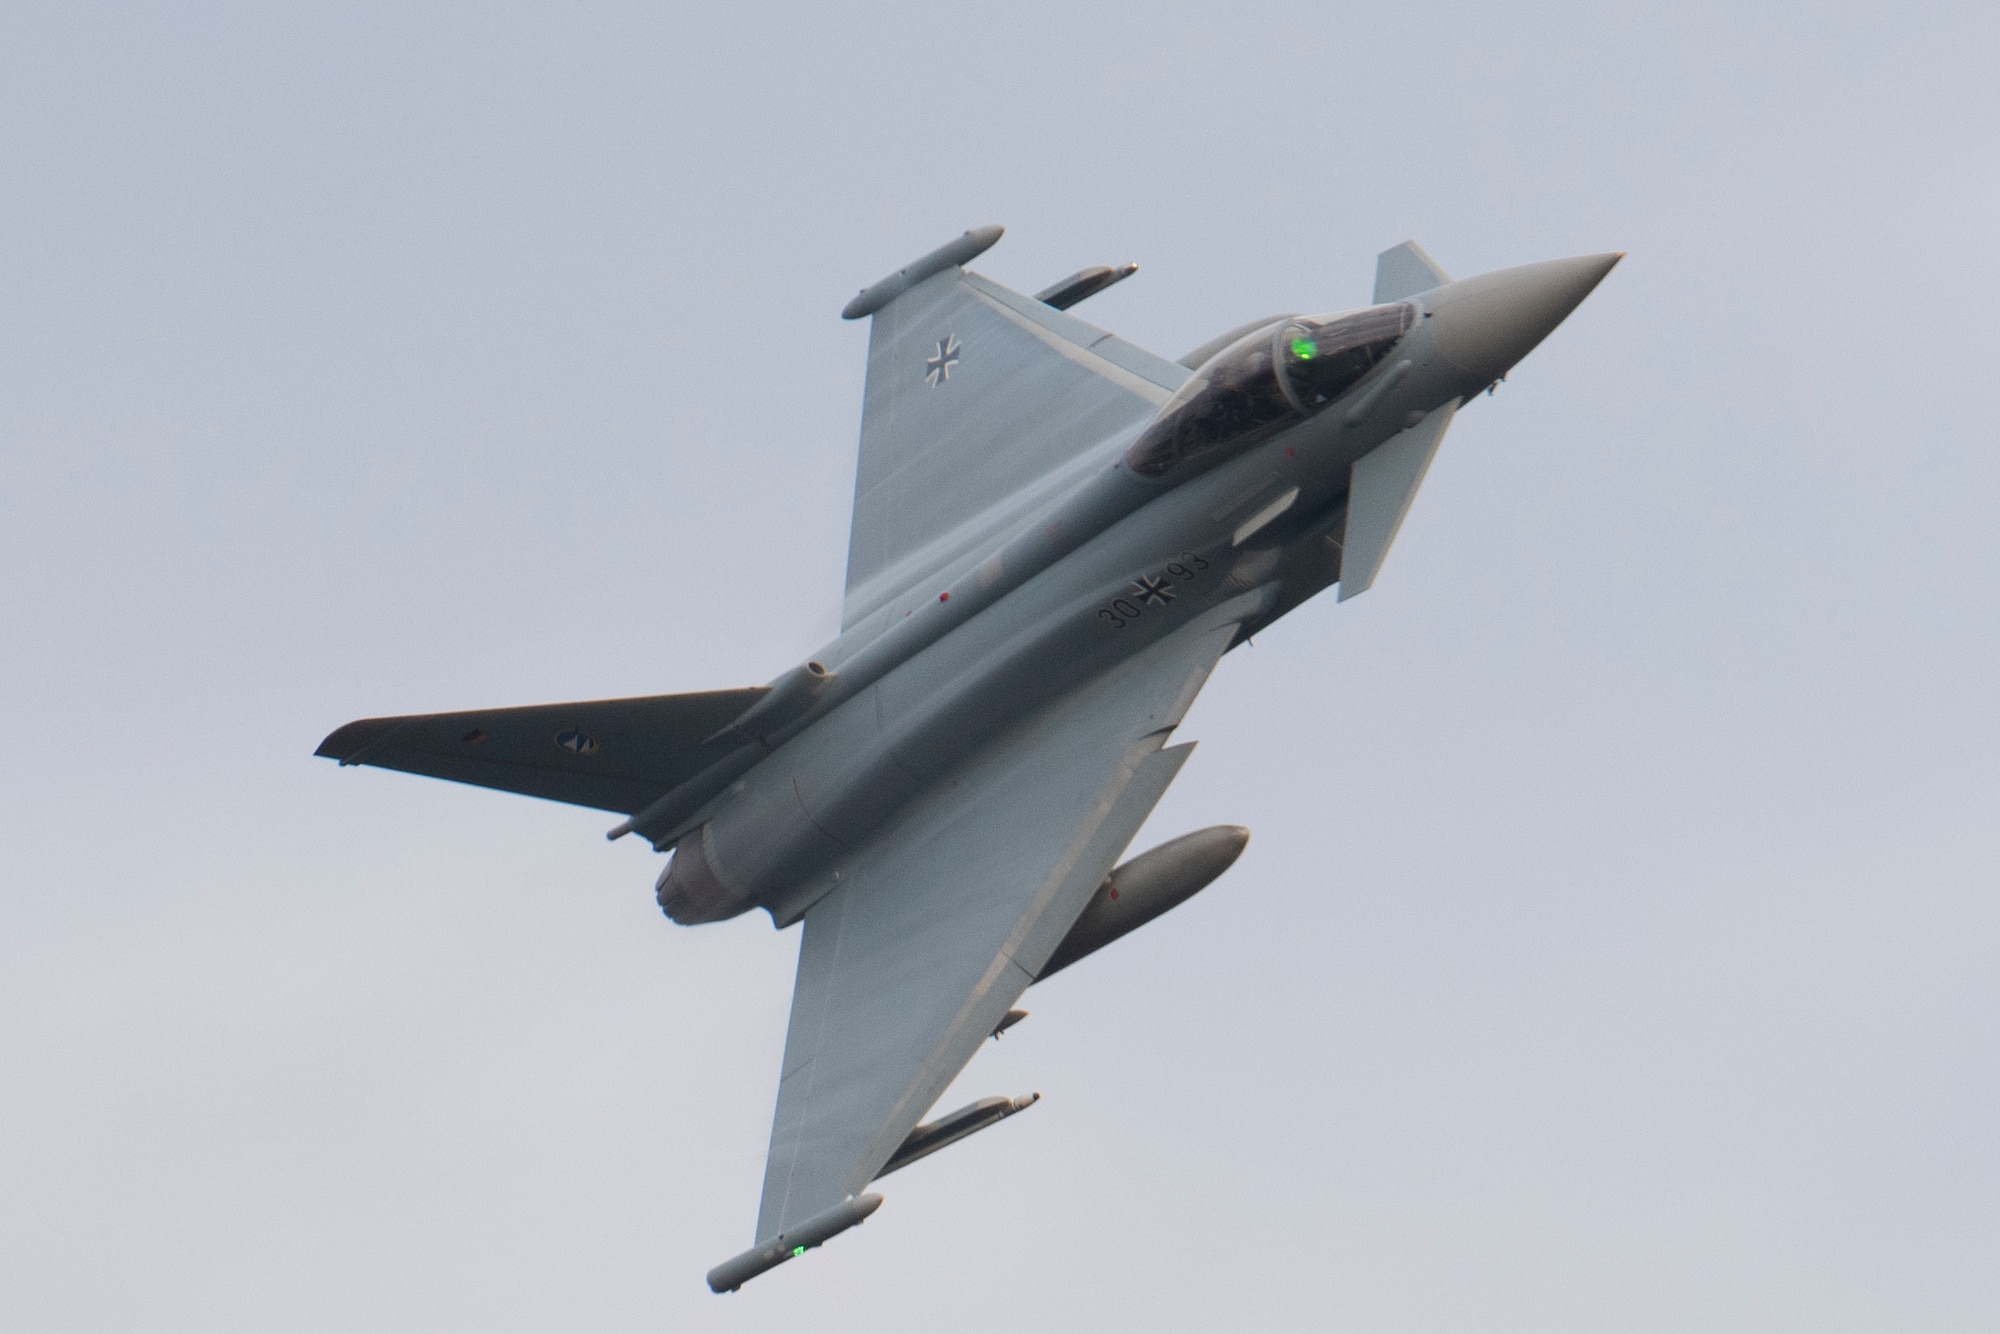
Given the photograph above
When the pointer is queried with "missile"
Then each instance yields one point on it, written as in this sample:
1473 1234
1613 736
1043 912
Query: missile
928 1138
821 1227
1084 284
1147 886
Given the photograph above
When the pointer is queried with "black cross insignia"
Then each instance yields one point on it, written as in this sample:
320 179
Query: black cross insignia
939 366
1153 590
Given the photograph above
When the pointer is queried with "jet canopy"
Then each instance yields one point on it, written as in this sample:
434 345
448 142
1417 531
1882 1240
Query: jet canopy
1265 381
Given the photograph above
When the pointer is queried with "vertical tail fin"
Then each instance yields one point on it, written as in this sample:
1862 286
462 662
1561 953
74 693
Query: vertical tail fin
1406 270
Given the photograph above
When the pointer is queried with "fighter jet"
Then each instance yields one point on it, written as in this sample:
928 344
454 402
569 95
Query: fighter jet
1056 537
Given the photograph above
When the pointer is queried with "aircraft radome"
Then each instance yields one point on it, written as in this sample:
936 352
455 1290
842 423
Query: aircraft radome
1056 536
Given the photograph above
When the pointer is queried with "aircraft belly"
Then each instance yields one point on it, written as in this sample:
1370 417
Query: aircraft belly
828 789
770 830
781 829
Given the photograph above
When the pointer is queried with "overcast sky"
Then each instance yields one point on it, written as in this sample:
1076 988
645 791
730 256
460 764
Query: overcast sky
1616 948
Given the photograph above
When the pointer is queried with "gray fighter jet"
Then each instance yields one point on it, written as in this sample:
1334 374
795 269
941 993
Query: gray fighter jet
1056 537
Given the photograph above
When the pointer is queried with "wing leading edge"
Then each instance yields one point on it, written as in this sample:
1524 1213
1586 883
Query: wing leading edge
945 919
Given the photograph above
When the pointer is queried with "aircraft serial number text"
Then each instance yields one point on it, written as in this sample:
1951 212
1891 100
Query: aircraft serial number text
1152 591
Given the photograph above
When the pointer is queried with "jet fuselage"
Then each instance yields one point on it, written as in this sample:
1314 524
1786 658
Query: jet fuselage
1083 580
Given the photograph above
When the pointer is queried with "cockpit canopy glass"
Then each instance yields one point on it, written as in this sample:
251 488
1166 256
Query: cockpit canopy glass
1263 382
1323 358
1235 395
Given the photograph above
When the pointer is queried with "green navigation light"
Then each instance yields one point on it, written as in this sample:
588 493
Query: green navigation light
1303 349
797 1251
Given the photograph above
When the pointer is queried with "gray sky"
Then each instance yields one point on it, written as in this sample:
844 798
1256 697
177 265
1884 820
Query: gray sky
1616 949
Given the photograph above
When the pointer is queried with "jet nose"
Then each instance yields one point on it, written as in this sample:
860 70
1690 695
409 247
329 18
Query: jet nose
1485 324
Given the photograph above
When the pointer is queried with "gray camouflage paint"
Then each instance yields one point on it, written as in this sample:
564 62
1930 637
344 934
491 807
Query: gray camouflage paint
923 680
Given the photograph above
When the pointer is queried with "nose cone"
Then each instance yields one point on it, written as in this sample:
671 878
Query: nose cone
1485 324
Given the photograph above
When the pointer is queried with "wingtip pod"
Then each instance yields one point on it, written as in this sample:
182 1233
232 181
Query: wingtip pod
815 1231
954 252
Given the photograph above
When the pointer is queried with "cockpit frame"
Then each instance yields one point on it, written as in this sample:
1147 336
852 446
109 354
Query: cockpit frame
1265 381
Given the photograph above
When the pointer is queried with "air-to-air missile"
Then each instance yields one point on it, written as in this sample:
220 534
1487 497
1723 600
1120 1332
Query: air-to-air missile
931 1136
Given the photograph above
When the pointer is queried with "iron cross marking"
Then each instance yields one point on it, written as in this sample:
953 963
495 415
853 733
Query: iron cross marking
1157 591
939 366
